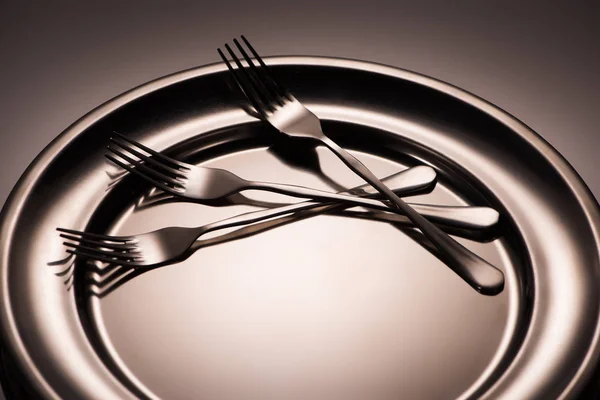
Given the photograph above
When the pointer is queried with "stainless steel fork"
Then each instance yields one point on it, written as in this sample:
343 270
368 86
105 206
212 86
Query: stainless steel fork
191 182
277 106
168 245
104 279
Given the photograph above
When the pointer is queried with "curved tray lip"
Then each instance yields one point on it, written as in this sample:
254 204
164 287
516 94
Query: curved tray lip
10 212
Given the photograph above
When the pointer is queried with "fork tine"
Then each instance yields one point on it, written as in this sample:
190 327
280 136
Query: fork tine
135 171
152 152
139 165
118 239
103 249
96 251
98 243
244 85
258 77
148 159
257 85
261 74
282 91
89 256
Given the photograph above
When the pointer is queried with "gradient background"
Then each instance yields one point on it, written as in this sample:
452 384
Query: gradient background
538 61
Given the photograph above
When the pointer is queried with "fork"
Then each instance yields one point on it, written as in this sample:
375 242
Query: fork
194 183
103 280
168 245
278 107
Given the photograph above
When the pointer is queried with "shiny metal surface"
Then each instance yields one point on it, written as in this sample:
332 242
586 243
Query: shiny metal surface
278 106
316 318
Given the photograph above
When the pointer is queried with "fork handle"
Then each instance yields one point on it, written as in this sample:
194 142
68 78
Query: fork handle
257 216
481 275
459 217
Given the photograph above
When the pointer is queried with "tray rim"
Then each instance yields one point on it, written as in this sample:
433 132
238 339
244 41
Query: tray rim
11 211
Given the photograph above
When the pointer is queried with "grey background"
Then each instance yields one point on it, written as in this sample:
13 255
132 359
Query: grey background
537 60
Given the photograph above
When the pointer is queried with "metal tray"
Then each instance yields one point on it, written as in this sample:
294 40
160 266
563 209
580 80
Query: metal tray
323 308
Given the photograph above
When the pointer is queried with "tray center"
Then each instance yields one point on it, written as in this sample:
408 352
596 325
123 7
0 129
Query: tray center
323 308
